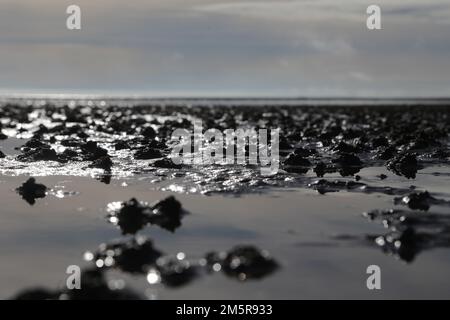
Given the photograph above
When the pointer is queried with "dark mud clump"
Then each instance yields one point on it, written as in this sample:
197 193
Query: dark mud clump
133 215
243 263
30 191
320 169
103 162
2 155
167 214
91 151
420 201
294 159
404 165
37 294
42 153
348 164
148 153
134 256
121 145
166 163
296 163
345 148
93 286
410 232
403 244
416 200
175 272
385 153
323 186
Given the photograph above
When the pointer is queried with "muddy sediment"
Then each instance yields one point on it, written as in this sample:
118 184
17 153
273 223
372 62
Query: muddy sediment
120 141
316 145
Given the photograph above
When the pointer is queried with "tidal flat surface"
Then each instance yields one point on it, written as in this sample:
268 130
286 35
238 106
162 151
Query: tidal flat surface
357 186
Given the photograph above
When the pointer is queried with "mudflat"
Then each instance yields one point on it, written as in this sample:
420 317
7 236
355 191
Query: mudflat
93 185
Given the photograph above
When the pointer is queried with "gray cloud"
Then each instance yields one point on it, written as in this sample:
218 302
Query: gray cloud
314 48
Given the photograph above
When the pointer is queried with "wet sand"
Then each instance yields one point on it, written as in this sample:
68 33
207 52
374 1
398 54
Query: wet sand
312 226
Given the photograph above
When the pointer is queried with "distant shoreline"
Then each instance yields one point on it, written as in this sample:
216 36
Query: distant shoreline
219 101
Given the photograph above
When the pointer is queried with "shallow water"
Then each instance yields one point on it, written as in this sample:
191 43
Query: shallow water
317 239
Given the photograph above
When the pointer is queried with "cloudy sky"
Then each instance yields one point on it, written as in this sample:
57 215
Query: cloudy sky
313 48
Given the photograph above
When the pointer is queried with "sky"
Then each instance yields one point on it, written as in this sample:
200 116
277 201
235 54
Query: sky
166 48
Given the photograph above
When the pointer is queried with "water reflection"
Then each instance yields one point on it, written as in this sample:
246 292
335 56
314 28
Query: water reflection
138 255
30 191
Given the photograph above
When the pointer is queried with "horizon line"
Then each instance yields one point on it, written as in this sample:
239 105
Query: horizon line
80 96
